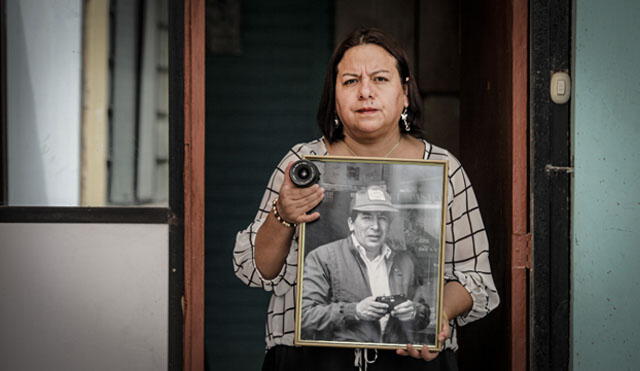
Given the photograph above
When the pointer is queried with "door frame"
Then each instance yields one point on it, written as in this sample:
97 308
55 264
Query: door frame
519 260
194 183
520 235
194 93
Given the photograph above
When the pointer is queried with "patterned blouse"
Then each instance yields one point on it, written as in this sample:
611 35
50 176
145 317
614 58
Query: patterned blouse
466 249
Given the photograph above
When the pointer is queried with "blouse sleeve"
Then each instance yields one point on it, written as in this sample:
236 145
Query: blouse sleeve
467 246
244 249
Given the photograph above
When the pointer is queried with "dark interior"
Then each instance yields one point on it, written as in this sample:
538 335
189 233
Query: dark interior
261 98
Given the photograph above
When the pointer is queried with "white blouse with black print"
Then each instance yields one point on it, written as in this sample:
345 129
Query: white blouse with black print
466 249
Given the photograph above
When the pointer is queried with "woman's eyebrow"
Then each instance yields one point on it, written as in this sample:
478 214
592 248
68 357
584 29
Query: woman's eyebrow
350 74
358 75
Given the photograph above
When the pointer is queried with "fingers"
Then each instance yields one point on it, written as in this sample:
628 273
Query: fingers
369 309
423 353
429 355
444 333
404 315
445 329
378 308
404 306
372 313
294 202
379 305
397 312
297 196
307 218
400 311
368 315
402 352
413 352
378 312
404 311
301 194
297 210
287 179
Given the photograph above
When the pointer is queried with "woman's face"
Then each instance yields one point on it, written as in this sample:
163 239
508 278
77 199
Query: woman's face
369 94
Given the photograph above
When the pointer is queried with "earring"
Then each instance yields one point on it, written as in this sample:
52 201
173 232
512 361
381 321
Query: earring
336 121
403 117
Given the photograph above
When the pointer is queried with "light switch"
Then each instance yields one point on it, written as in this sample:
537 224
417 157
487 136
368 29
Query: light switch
560 87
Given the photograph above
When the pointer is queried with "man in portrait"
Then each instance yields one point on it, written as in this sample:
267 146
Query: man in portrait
359 289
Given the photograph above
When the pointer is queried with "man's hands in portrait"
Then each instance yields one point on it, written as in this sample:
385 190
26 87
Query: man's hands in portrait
370 310
405 311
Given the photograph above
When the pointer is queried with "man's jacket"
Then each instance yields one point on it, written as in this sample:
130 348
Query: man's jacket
335 280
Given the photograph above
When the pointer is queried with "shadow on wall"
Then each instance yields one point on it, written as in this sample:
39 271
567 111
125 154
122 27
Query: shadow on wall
27 185
43 75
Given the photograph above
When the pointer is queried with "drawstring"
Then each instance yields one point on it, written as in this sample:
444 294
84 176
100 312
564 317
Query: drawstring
362 358
357 362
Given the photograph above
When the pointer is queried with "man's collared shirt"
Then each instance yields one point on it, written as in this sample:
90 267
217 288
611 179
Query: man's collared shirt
376 273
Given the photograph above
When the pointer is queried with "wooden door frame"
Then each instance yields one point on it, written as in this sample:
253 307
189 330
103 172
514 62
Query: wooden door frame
194 184
520 236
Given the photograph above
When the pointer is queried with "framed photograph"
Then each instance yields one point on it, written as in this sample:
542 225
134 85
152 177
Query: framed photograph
371 267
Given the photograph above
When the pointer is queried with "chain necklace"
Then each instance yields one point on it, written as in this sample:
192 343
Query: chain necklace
385 156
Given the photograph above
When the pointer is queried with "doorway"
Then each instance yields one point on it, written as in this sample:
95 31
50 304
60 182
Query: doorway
261 99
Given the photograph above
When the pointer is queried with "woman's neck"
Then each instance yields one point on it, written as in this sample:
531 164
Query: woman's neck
373 147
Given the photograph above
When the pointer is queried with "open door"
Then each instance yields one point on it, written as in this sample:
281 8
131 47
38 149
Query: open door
472 64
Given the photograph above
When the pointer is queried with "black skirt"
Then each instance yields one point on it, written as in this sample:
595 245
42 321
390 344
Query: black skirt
286 358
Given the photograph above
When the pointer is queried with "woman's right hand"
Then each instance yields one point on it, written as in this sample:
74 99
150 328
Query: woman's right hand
294 202
273 239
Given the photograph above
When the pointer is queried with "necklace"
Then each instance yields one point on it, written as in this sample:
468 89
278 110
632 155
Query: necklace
385 156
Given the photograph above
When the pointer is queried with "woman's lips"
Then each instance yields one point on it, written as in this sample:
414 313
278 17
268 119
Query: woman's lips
366 110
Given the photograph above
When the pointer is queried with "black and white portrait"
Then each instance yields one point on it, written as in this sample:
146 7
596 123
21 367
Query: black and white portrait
371 265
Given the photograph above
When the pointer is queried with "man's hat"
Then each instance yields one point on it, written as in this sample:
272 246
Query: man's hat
373 198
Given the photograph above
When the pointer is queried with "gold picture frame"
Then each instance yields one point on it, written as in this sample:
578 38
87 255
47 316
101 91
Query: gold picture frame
404 202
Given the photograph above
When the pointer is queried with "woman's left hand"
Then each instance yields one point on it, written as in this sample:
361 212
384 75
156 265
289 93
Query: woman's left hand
424 352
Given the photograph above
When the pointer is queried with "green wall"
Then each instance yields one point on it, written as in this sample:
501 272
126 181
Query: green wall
258 104
606 197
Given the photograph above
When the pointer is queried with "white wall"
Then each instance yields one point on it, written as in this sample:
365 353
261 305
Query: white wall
84 296
43 101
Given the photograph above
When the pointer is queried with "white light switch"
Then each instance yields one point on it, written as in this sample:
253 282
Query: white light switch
560 87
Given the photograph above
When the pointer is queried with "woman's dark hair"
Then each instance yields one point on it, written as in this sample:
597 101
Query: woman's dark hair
327 108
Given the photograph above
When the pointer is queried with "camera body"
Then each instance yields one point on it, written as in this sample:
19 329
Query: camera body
304 173
391 300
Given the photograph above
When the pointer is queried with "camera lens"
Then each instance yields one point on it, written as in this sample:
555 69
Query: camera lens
304 173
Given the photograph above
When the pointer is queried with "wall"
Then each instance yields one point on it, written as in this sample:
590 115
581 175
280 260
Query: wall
84 296
259 103
43 127
606 190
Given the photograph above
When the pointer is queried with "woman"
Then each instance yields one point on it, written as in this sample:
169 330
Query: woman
370 107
